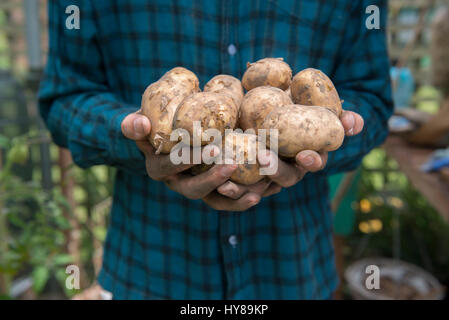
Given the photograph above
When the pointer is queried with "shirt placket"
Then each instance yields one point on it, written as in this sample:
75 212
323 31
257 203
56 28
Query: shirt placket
229 47
231 238
229 224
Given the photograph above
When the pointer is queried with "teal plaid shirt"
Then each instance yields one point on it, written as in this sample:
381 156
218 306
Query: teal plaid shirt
161 245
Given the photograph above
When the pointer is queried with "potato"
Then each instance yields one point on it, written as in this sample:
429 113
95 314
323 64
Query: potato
212 110
182 75
241 148
304 128
160 101
311 87
259 102
267 72
224 83
200 168
289 93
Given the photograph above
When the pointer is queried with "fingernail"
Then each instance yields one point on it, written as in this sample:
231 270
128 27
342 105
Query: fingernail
226 189
253 201
350 121
307 161
228 193
138 125
227 170
306 158
264 159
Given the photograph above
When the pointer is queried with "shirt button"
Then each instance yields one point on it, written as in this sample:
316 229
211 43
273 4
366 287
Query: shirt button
233 240
232 50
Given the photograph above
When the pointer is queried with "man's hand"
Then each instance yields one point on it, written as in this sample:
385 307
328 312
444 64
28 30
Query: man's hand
264 188
231 196
138 127
288 174
214 186
159 167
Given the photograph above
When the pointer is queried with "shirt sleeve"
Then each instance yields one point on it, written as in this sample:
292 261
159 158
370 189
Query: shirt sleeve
363 82
75 102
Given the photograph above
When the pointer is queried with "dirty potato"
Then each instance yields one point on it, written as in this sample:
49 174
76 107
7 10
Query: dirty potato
311 87
289 93
267 72
304 128
208 109
240 148
259 102
226 84
160 101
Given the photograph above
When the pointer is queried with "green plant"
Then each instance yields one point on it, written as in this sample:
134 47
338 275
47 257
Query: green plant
32 223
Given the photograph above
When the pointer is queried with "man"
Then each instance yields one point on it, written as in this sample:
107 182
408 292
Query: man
173 236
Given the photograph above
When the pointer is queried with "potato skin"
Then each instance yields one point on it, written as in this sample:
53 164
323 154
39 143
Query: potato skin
182 75
200 168
289 93
227 84
212 110
311 87
267 72
160 101
259 102
240 147
243 146
305 128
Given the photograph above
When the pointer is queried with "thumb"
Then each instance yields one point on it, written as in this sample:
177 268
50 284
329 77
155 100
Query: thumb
136 126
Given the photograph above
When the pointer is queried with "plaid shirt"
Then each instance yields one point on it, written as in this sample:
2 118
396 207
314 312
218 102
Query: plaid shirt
159 244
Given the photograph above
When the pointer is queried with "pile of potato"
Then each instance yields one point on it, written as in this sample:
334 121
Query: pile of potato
304 109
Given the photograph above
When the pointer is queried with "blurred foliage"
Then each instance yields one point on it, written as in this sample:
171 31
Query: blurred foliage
388 205
4 61
427 99
93 192
32 223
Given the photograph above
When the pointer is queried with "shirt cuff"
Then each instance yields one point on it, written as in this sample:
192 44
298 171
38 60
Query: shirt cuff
124 152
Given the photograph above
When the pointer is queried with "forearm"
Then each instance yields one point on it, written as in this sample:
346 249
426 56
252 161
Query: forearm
88 124
75 98
363 82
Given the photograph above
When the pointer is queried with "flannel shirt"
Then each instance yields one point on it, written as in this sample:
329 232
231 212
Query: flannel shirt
161 245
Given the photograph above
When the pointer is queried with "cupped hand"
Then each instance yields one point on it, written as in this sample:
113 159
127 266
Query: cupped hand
213 186
160 167
289 173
